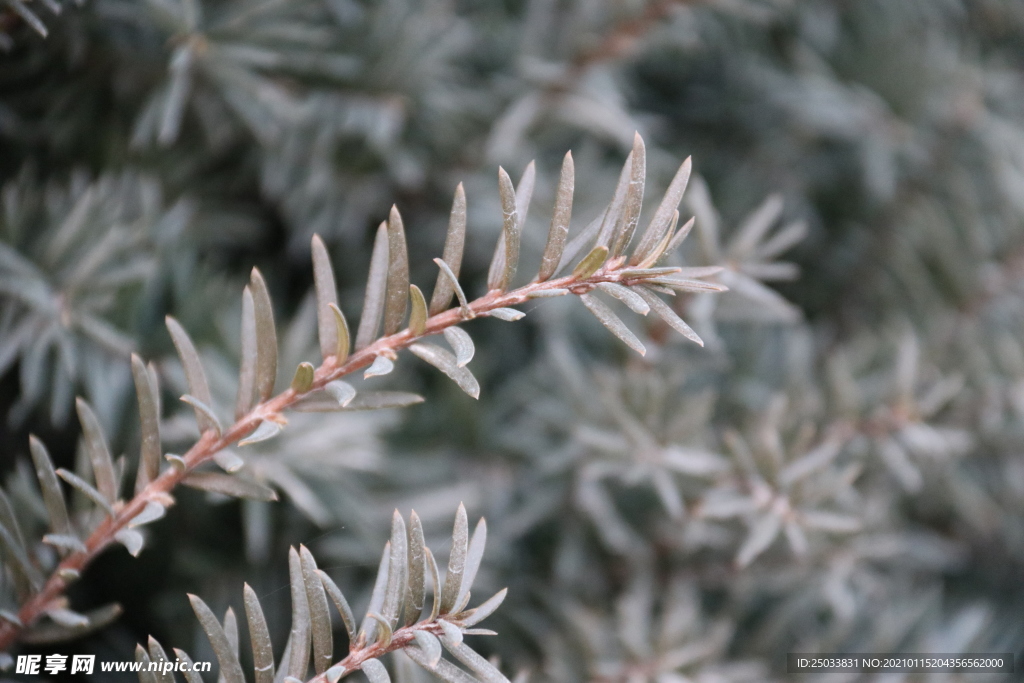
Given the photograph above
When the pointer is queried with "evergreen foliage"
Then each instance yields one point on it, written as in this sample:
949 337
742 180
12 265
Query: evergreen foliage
801 434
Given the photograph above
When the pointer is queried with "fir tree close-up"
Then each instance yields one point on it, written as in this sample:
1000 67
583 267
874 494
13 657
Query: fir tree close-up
545 341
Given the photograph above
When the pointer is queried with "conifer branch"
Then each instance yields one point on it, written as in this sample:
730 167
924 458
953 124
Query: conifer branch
392 619
319 389
273 409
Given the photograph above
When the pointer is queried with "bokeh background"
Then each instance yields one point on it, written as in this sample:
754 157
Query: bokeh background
839 469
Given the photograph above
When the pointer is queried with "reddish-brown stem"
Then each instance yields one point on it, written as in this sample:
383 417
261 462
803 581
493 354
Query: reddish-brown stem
621 39
211 443
402 637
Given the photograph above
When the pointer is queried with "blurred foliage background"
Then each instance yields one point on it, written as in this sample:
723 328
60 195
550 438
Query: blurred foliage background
840 468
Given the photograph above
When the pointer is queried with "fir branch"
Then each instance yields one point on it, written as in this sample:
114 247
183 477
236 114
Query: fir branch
397 600
266 418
